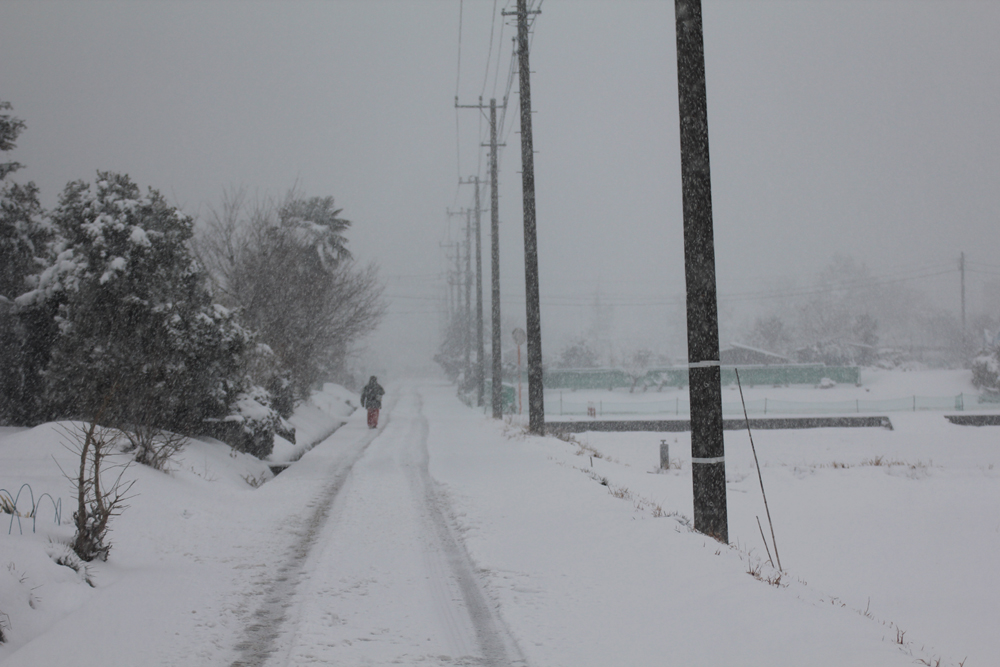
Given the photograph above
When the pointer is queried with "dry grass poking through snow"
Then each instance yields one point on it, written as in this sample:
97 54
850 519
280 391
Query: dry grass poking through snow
918 470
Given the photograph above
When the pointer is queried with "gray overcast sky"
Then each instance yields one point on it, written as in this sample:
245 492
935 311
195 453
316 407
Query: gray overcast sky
862 127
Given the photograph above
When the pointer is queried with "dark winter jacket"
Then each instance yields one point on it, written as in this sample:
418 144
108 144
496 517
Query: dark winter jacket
371 395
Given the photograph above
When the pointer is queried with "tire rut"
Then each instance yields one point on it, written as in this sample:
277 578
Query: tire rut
497 645
260 635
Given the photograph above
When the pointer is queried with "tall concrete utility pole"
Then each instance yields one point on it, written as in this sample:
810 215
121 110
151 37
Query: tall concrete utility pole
536 400
468 296
480 369
497 387
708 460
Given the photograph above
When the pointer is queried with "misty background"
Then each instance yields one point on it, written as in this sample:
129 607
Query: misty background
848 139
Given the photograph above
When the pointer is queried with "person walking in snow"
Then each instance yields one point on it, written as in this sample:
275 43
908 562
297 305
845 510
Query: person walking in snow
371 398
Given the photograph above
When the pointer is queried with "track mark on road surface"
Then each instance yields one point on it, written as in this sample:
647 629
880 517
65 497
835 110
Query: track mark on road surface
260 635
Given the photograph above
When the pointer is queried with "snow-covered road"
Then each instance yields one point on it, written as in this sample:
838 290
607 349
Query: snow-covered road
378 576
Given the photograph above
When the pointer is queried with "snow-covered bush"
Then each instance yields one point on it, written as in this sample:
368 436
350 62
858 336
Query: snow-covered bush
153 446
252 425
986 371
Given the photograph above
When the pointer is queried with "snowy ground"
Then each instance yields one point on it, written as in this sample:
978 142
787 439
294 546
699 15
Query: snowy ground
444 538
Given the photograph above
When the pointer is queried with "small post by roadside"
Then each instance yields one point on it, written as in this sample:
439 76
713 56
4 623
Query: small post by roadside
664 455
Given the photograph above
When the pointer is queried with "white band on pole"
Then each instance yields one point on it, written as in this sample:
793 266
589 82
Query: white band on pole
704 364
717 459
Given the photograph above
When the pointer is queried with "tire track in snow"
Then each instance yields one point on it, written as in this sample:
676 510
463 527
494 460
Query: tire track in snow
260 635
496 644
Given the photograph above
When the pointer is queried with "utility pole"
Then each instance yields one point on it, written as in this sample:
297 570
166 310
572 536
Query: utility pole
961 268
468 296
497 387
466 312
452 281
497 347
708 460
536 400
480 373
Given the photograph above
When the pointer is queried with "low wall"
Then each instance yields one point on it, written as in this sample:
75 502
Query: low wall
677 376
675 425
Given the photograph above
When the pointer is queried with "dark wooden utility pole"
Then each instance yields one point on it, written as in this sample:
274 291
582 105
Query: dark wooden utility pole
708 460
536 400
497 387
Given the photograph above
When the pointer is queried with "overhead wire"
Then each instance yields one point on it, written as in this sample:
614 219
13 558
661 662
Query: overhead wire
496 71
489 54
458 79
658 300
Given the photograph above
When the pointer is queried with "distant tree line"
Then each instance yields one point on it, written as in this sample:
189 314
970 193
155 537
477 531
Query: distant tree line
110 304
851 317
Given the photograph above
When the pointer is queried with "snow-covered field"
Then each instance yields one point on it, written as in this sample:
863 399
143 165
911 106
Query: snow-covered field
445 538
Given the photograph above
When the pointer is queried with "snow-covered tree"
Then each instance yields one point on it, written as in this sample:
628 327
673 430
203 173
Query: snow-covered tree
451 353
578 354
287 269
636 365
10 129
771 334
24 238
136 323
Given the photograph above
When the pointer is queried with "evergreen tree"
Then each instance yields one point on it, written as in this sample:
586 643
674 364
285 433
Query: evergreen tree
24 237
136 322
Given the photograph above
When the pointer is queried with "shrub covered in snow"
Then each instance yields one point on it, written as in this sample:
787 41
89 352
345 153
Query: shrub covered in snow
986 371
252 424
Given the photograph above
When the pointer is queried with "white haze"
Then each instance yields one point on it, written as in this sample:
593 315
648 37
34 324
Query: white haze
865 129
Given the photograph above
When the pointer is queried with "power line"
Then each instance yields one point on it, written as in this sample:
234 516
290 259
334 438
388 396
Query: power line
489 54
496 72
458 73
458 79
